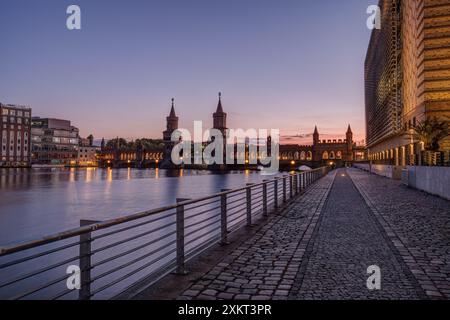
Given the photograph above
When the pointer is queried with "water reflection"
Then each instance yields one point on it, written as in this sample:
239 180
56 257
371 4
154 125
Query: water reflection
38 202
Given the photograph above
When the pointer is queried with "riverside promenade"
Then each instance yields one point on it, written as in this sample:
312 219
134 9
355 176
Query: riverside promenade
321 244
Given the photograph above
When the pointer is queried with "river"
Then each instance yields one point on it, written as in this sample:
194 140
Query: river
39 202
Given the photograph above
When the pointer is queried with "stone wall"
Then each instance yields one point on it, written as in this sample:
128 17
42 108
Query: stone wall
434 180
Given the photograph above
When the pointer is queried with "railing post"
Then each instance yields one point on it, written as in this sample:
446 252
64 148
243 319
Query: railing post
284 189
305 175
265 213
291 186
249 204
275 193
85 261
223 218
181 268
296 183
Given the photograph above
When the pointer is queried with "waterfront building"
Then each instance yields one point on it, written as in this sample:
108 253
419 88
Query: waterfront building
407 78
87 152
15 133
54 141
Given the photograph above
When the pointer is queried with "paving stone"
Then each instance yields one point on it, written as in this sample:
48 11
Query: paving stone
269 257
417 220
347 240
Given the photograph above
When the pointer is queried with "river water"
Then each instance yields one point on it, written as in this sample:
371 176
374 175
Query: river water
39 202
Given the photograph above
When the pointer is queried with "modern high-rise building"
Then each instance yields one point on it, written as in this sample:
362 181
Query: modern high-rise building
54 141
15 133
407 77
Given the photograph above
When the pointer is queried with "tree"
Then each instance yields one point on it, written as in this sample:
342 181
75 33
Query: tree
145 143
112 144
91 140
431 131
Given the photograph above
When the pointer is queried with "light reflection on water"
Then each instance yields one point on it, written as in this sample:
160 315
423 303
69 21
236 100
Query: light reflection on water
38 202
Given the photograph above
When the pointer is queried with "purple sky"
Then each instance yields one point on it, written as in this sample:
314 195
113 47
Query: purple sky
287 64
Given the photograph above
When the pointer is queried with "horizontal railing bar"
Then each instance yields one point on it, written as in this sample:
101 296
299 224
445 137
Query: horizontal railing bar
237 200
209 243
200 213
290 184
103 235
201 205
232 214
134 250
237 206
61 294
202 221
39 271
133 272
49 284
116 221
234 219
129 263
40 254
201 236
202 227
143 234
153 277
238 225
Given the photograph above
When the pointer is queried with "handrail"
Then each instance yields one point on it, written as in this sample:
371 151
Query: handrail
210 218
112 222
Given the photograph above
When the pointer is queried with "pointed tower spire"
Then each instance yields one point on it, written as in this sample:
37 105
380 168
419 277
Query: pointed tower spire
349 130
172 110
220 117
171 123
219 105
316 136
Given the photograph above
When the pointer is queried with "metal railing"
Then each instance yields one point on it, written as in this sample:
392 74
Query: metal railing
118 255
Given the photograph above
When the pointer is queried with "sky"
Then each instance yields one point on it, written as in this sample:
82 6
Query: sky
280 64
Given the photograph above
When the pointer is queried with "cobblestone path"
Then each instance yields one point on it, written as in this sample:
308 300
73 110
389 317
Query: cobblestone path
265 266
417 223
347 240
321 246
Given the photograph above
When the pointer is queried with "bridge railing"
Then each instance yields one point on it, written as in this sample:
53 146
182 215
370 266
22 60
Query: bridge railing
104 259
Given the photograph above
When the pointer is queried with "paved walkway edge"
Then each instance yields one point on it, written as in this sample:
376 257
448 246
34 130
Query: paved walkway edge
413 268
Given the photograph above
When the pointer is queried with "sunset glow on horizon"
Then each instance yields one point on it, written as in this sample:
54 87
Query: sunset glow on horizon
289 65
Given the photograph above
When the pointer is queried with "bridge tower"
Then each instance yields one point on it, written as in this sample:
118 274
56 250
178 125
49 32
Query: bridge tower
315 147
220 117
171 126
220 123
349 137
